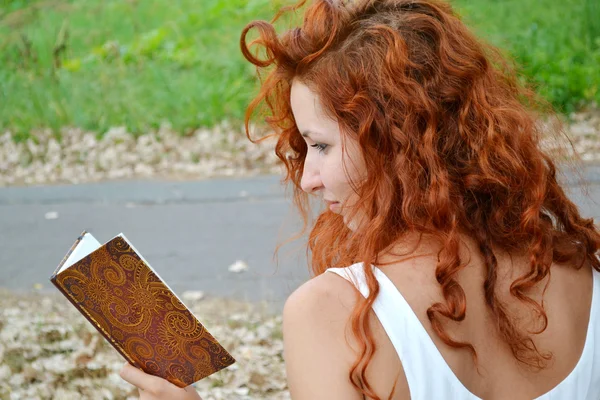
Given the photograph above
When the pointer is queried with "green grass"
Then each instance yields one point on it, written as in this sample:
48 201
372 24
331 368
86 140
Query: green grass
138 63
556 45
129 63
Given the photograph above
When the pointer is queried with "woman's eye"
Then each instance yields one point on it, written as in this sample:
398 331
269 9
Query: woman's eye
319 146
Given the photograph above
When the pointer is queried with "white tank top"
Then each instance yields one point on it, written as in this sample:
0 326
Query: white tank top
428 374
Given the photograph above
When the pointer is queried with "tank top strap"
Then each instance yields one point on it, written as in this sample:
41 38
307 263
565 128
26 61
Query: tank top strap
427 373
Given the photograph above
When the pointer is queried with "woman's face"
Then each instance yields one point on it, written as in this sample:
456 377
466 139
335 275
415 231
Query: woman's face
328 168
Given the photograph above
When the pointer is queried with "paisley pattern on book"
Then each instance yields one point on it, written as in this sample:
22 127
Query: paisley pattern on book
129 303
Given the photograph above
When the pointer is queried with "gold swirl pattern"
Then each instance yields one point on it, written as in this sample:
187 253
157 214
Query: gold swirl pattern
100 258
198 352
118 335
128 262
138 314
97 290
77 292
177 304
117 245
165 352
202 371
152 366
172 342
112 273
153 338
140 347
179 373
182 325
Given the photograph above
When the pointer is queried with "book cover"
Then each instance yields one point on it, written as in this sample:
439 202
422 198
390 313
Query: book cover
139 315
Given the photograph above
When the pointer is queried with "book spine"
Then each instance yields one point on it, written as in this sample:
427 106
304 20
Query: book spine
69 253
110 340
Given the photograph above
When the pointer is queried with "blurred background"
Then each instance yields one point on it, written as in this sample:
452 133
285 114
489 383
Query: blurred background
126 116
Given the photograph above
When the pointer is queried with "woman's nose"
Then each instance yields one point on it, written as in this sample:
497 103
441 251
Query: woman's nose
311 180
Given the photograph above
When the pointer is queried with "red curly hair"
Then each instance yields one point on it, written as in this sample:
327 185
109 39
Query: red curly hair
451 144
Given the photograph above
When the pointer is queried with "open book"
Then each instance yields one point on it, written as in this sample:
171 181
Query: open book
141 317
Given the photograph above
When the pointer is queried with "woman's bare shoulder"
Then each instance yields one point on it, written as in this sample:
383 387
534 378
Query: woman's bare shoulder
317 335
316 357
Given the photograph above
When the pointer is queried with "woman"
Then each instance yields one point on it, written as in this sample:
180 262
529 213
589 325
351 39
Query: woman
460 268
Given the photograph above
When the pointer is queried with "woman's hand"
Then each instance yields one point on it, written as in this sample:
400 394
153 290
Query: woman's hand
152 387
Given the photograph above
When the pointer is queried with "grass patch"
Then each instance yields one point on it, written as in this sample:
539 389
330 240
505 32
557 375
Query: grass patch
556 47
95 64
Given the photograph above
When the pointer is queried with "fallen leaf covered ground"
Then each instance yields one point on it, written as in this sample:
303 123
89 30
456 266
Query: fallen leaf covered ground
50 351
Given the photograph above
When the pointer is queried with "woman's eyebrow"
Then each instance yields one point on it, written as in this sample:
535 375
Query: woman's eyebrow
308 132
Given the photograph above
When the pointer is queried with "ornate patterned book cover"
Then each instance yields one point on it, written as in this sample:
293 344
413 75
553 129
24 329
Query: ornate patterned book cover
139 315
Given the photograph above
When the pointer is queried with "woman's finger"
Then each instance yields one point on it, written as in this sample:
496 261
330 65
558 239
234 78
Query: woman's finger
139 378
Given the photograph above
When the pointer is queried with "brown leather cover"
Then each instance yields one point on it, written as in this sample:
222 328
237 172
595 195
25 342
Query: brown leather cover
139 315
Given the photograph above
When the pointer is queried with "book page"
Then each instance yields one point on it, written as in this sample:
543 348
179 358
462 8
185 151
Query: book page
85 246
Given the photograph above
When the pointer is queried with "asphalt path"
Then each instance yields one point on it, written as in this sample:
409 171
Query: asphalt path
190 232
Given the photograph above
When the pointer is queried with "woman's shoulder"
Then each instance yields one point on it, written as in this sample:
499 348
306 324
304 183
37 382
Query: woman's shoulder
327 292
317 357
316 334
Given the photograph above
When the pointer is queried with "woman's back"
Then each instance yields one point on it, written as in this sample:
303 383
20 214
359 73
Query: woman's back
567 302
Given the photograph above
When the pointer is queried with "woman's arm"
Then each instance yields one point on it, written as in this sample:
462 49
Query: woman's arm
317 357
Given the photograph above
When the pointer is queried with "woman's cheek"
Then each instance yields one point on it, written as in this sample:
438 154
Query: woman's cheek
333 178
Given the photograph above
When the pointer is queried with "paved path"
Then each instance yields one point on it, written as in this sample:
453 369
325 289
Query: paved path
190 232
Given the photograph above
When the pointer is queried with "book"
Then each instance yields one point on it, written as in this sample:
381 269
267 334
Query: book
122 296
